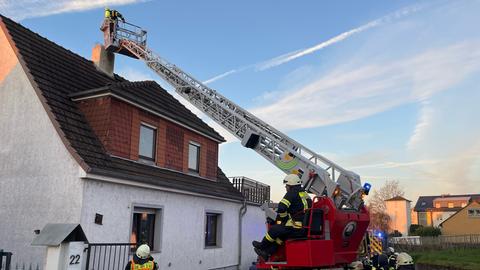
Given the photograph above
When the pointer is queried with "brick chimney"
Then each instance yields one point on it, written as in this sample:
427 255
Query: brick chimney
103 60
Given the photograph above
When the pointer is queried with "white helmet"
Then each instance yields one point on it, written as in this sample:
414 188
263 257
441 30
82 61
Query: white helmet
143 251
404 259
292 180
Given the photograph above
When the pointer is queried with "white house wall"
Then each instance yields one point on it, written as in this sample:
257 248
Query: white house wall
253 228
39 181
183 221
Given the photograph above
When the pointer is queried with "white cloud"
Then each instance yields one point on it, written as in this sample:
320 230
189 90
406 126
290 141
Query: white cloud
22 9
287 57
354 92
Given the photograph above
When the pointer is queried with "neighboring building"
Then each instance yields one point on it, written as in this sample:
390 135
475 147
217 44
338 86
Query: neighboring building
465 221
124 159
433 210
398 208
414 216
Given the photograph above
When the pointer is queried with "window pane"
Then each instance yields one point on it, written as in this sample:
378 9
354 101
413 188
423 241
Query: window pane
193 157
143 229
211 230
147 142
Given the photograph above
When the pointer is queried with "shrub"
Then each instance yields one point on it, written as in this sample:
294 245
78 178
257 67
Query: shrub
395 234
427 231
413 228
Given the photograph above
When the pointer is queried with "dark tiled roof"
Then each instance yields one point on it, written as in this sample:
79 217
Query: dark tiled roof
426 202
150 95
397 198
57 73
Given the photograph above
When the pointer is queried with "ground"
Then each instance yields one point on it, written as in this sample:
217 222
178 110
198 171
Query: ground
468 259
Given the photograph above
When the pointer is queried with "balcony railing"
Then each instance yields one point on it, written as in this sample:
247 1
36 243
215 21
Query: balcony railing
253 191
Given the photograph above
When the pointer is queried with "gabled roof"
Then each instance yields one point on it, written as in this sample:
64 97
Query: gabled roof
57 73
462 209
398 198
426 202
150 96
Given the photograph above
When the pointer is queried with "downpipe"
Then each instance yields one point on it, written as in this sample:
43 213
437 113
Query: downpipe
241 213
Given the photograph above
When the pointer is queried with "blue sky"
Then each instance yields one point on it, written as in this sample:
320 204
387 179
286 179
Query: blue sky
388 89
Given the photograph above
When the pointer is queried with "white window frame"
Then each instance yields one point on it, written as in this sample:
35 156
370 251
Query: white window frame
158 230
144 158
219 235
198 157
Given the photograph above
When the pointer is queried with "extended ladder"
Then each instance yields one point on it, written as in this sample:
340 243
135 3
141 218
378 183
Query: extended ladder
319 175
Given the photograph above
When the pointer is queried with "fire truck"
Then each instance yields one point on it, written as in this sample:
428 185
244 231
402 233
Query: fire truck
337 221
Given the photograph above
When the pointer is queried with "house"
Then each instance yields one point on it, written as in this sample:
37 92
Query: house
80 144
433 210
398 208
465 221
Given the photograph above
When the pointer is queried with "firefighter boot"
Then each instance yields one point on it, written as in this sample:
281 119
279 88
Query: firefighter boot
263 254
257 244
261 245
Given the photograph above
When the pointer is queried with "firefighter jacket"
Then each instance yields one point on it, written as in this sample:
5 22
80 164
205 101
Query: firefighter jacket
141 264
291 209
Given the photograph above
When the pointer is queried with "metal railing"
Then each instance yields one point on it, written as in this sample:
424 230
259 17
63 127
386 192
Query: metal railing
253 191
435 242
106 256
5 263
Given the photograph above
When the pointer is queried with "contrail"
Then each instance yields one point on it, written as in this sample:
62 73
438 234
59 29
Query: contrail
285 58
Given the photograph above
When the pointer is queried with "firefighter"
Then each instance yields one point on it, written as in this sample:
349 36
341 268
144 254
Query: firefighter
392 258
142 260
289 220
113 15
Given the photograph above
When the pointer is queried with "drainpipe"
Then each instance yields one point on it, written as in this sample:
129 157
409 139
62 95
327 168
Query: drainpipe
241 213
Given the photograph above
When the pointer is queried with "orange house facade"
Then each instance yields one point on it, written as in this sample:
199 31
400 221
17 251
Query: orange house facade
464 222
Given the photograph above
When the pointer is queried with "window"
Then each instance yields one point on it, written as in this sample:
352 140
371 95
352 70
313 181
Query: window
146 227
422 219
146 149
450 205
193 157
474 213
213 222
437 205
464 204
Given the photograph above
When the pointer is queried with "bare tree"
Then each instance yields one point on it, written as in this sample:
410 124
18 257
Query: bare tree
379 219
390 189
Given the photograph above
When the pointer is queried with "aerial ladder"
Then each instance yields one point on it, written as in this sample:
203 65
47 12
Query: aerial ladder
338 219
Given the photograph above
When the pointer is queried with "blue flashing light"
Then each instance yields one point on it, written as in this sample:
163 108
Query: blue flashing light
366 188
380 234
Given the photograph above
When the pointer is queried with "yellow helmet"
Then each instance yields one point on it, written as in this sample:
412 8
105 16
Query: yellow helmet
292 180
143 251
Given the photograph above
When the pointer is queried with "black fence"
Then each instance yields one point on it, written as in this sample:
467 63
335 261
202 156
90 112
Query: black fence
5 260
253 191
106 256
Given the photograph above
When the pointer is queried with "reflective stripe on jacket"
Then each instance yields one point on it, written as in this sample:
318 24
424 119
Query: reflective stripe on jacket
291 209
146 266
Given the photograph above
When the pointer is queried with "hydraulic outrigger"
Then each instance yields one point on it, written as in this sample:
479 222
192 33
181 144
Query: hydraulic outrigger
338 219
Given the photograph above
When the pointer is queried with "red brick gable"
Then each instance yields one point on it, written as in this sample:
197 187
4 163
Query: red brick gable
117 125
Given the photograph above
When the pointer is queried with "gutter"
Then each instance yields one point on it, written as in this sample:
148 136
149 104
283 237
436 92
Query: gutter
241 213
93 176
